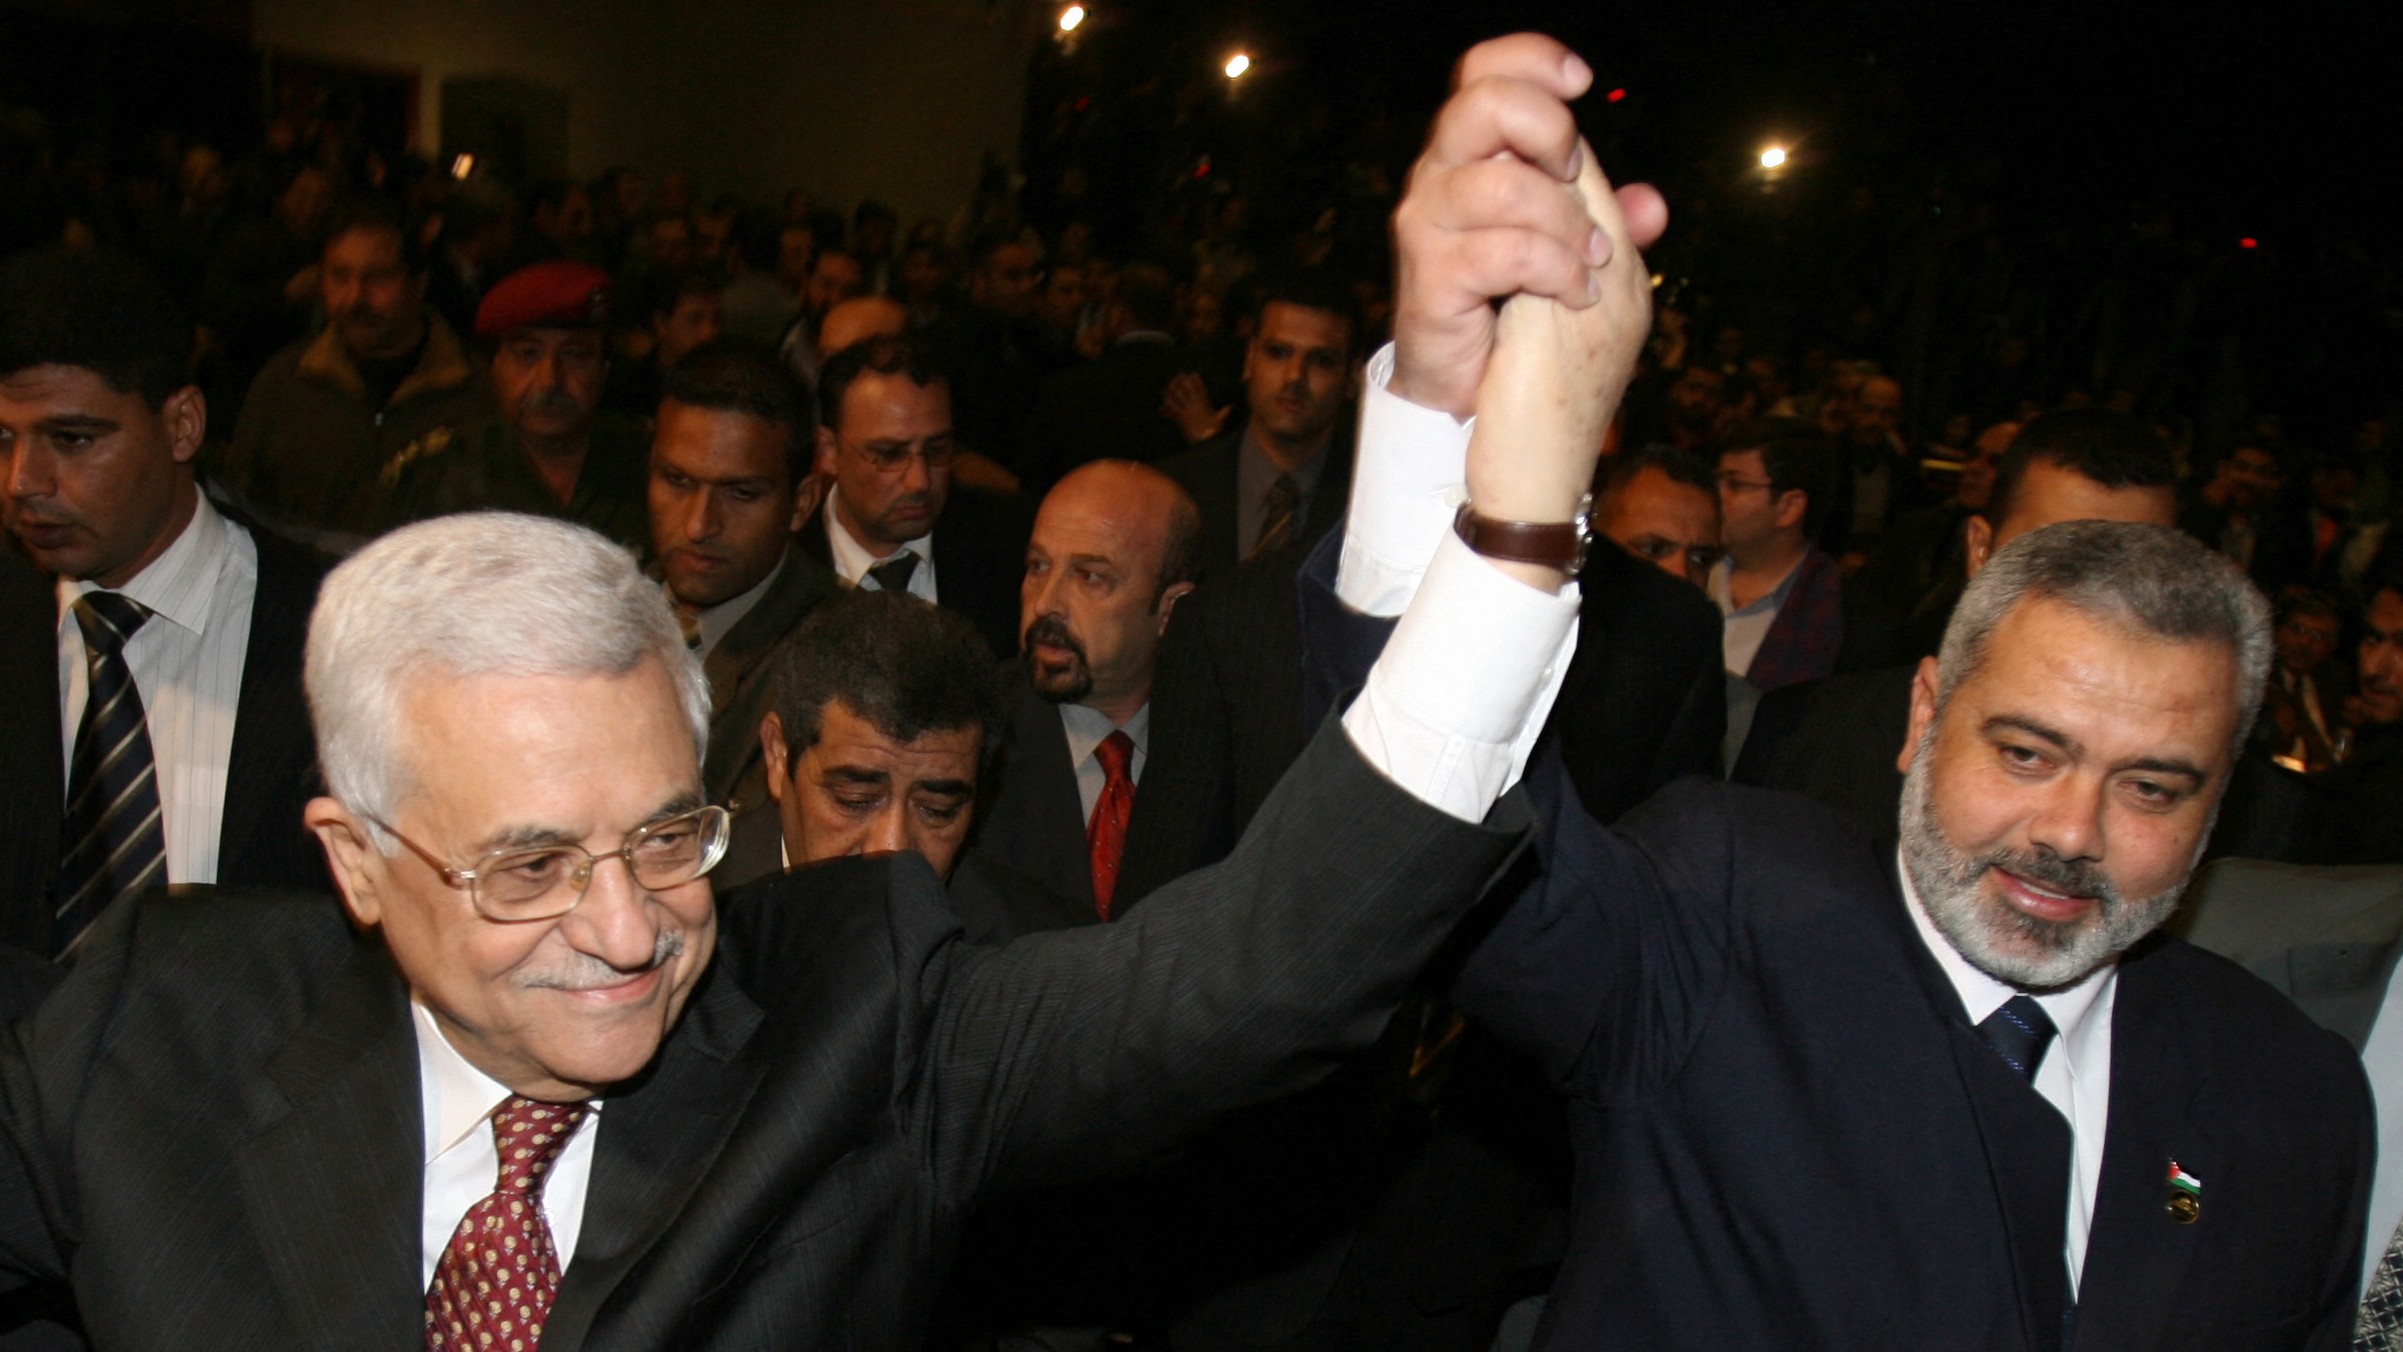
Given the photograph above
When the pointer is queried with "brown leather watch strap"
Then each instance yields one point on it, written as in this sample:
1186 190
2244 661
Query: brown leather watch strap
1552 544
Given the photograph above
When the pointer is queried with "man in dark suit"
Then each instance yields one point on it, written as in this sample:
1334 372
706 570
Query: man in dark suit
1113 553
98 429
1825 1094
1282 473
728 488
1110 407
893 519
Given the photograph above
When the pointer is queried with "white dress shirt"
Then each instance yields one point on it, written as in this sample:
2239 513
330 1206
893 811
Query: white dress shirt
2075 1074
2382 1058
462 1165
1086 727
852 559
187 662
1452 708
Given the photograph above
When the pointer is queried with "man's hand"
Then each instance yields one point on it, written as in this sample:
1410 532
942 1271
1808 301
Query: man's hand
1493 210
1186 402
1555 379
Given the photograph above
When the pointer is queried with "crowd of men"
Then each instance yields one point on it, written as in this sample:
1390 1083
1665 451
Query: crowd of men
1050 579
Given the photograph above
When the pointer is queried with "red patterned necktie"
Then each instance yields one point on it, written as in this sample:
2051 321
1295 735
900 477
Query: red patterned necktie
1105 835
494 1285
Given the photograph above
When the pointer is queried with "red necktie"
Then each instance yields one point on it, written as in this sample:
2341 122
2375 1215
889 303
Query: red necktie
1105 835
496 1280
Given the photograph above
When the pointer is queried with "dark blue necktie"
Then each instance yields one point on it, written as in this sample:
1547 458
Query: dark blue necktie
114 839
2018 1032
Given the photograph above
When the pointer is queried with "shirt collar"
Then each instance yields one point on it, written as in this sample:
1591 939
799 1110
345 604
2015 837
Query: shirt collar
719 620
851 558
181 583
456 1098
1722 589
1982 994
1087 726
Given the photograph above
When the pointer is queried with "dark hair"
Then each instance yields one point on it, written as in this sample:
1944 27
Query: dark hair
869 209
1311 291
2114 449
551 193
731 375
1620 470
101 311
988 242
1148 295
909 668
364 212
1795 457
668 290
886 355
2302 599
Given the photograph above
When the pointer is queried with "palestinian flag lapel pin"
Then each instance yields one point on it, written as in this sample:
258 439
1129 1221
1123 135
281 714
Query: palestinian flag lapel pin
2185 1196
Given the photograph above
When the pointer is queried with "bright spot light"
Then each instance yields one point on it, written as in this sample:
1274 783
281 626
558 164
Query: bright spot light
2248 242
462 166
1657 279
1071 17
1237 64
1614 96
1773 157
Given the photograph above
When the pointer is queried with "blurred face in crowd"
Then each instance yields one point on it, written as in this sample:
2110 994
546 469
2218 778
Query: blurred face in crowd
1752 513
566 222
875 235
2055 802
834 277
94 482
1091 609
672 243
2305 640
2382 658
1004 284
2051 492
305 201
1671 525
722 498
1977 471
1297 373
1063 300
555 1009
549 381
923 275
696 319
375 307
629 194
2333 487
1696 398
1876 411
796 250
890 458
2250 477
858 790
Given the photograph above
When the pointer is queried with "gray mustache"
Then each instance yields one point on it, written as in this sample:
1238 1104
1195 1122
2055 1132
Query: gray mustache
584 972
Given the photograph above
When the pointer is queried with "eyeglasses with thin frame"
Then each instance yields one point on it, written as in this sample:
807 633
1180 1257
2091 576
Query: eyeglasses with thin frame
544 882
889 457
1731 482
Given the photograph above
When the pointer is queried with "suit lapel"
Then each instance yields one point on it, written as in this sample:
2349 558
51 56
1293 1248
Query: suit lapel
655 1144
333 1180
737 669
2138 1254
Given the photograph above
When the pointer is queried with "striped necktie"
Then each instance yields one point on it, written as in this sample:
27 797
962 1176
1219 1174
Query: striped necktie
1277 508
113 837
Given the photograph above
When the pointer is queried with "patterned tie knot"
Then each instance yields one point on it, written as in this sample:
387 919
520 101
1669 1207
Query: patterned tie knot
1115 752
108 619
2018 1032
529 1135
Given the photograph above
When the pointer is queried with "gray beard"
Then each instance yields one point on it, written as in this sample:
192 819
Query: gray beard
1998 939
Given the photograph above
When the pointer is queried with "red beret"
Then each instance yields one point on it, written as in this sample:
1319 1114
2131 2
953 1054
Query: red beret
558 295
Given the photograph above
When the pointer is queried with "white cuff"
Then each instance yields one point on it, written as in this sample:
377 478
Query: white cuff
1407 481
1452 707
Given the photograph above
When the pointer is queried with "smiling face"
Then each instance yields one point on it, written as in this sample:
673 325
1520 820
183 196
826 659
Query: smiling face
556 1009
2053 808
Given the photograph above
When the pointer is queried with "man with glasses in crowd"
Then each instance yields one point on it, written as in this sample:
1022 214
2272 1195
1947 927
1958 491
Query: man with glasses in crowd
893 520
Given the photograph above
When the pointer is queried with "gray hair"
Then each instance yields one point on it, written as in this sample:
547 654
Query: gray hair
2154 581
475 594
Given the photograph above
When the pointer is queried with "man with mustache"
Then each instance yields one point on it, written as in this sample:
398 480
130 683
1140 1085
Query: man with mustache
1828 1093
331 420
1115 547
555 453
893 519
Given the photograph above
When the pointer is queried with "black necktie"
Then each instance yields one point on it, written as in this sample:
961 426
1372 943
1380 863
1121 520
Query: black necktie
893 574
2018 1032
113 837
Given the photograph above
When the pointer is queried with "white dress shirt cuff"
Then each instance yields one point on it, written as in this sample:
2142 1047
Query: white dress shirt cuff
1453 705
1406 485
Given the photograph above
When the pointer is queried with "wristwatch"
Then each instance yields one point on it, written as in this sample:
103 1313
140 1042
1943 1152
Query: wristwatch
1552 544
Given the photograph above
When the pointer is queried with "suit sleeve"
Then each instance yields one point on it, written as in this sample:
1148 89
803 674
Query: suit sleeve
1068 1053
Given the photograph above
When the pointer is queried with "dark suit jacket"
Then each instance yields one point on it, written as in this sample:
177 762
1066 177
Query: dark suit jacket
742 684
1835 742
212 1126
979 558
1106 408
1210 473
270 776
1031 820
1788 1134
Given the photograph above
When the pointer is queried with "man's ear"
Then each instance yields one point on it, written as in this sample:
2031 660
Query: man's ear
808 496
1168 600
772 747
824 463
1923 711
356 863
186 414
1977 534
1792 506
